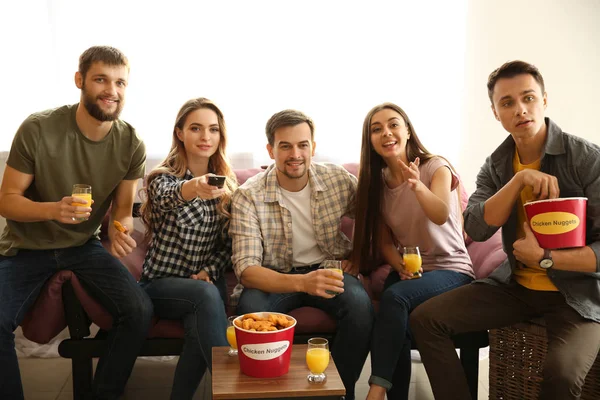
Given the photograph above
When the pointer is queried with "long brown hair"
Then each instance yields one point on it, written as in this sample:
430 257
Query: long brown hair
176 163
366 239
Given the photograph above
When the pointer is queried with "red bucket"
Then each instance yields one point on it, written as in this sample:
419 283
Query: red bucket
265 354
558 223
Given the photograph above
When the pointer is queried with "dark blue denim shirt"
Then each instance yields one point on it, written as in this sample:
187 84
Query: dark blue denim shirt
575 162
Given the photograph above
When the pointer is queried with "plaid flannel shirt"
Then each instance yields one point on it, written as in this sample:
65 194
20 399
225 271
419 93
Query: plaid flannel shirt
188 236
261 226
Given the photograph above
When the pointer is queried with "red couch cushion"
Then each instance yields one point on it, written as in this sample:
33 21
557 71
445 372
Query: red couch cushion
46 318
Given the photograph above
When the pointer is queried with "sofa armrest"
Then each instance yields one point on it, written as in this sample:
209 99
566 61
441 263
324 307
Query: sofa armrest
76 317
46 317
58 305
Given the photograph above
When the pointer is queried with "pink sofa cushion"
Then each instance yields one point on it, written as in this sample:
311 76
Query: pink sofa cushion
312 320
377 280
487 256
242 175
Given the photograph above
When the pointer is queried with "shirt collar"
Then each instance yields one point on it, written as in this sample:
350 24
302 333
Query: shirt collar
273 190
554 144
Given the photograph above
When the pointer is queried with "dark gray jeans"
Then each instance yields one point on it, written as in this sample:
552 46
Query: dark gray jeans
199 305
573 342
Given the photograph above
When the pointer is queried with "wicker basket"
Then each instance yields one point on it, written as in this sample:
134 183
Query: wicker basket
516 358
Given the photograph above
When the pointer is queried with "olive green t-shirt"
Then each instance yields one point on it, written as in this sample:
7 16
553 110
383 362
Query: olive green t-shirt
50 146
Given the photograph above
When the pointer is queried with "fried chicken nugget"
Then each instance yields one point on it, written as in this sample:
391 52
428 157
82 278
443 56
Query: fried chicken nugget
119 226
255 317
238 322
254 324
283 322
273 319
265 326
247 323
262 325
268 323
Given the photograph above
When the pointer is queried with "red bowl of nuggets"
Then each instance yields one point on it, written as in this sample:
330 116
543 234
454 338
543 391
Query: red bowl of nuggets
264 342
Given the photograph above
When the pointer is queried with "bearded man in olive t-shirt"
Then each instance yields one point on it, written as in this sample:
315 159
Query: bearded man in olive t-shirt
48 231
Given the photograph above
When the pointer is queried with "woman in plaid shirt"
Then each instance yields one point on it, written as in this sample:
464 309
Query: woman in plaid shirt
187 224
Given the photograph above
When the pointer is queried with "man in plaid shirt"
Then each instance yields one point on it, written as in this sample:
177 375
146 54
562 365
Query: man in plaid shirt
285 222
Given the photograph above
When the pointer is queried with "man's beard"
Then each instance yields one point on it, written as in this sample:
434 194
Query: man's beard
95 111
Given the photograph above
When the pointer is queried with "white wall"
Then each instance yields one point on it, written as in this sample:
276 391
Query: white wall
332 59
561 38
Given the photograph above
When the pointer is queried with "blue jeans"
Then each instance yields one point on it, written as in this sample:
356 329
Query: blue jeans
390 347
352 310
199 306
104 277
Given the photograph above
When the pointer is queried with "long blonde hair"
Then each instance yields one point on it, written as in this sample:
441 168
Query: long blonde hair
176 163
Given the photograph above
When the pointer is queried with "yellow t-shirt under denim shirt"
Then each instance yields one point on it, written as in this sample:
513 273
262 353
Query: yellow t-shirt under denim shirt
532 277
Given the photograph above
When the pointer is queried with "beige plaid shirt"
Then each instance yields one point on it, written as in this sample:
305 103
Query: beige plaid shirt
261 227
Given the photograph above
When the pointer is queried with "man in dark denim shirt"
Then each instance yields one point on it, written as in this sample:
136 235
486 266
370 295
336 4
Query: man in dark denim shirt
537 161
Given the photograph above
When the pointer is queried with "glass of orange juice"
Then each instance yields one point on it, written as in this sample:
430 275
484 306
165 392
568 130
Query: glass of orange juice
334 265
317 359
233 351
83 193
412 261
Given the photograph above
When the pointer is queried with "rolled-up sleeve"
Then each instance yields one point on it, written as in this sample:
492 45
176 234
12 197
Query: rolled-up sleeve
475 224
245 233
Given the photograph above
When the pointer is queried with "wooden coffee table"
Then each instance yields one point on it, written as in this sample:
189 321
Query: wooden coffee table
228 382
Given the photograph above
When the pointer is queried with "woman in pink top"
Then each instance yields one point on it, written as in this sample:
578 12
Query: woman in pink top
406 197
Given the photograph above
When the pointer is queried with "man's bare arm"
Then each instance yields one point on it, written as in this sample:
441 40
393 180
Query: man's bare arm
15 206
581 259
122 206
499 206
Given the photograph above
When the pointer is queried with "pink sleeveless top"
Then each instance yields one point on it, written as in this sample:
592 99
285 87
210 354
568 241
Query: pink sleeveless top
441 246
